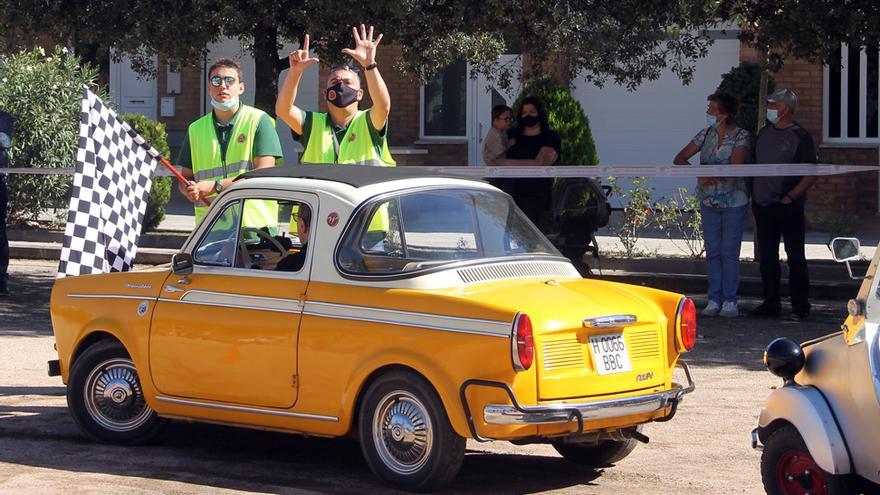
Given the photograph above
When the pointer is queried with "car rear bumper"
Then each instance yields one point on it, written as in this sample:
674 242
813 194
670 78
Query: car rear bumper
605 409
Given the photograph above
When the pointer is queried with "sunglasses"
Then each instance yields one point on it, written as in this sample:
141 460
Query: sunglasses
217 80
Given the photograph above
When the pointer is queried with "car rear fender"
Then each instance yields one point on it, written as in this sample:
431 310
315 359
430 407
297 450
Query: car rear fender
807 410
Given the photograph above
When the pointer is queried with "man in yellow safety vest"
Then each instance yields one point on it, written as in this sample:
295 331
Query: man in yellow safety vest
231 140
343 134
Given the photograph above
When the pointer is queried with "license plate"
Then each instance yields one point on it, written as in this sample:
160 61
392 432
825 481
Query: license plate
610 353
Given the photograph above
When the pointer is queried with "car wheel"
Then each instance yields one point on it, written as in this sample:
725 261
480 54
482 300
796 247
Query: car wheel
405 433
105 397
602 454
787 468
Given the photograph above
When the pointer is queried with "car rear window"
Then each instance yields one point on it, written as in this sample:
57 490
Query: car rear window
415 231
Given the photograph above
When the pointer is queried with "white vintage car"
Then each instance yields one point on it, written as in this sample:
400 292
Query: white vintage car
821 430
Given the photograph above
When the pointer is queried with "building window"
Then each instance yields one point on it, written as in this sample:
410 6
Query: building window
851 97
444 103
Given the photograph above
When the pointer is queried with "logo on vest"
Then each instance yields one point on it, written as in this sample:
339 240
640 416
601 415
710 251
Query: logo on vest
352 137
241 138
333 219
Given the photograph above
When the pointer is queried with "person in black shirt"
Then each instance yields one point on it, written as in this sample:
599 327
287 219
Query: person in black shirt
294 262
532 143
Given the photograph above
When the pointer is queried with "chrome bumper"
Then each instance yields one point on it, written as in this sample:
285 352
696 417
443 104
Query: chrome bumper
756 440
614 408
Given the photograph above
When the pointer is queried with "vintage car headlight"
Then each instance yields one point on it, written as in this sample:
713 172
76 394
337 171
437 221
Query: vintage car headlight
854 307
784 358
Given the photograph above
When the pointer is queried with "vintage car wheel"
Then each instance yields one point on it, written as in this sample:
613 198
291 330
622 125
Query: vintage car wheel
602 454
788 469
105 397
405 434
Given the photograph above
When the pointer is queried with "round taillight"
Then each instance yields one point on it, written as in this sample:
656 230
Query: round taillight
687 325
523 348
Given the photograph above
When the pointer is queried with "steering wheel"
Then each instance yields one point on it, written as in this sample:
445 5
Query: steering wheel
263 235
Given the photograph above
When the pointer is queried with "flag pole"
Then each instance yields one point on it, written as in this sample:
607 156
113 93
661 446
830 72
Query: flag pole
179 176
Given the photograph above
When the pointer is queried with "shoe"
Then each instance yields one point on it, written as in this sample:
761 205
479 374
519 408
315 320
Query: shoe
799 316
729 310
711 309
766 310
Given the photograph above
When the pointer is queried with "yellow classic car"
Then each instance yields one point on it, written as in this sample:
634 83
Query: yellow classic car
409 310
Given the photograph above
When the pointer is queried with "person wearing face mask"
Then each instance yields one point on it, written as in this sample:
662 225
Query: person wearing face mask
723 200
231 140
778 206
532 143
344 134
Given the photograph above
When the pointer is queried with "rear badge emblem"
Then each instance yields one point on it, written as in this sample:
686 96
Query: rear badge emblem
644 376
142 308
332 219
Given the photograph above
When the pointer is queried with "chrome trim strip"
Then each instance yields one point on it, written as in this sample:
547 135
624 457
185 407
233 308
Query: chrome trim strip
405 318
609 321
112 296
233 306
231 300
224 407
403 324
561 413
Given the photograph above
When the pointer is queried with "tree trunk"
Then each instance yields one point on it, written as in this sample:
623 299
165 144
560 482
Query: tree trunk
762 93
265 83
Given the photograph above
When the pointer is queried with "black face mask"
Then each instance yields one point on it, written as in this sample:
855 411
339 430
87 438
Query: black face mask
341 95
529 120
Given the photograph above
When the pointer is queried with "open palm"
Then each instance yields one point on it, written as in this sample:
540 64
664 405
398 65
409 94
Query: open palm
364 51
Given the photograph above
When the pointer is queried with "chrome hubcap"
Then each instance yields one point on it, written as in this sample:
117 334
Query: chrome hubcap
114 398
402 432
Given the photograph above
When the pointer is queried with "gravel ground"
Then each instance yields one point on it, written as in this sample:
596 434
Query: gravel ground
704 450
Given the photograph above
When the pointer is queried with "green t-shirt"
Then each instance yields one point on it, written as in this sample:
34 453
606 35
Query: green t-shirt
266 142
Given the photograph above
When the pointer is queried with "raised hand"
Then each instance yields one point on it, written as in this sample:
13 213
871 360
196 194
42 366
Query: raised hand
364 51
300 60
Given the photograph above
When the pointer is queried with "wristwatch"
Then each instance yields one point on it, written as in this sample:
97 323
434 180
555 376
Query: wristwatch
218 186
371 66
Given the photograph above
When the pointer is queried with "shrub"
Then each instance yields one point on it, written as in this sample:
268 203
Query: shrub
43 94
154 133
745 82
637 214
567 118
680 219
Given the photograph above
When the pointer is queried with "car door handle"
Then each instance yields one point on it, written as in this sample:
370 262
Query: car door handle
173 288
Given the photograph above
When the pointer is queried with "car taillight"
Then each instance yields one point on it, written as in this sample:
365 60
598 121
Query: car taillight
686 336
522 343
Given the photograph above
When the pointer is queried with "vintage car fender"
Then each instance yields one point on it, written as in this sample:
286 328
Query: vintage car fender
808 411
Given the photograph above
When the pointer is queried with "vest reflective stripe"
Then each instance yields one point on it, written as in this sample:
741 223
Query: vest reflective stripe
208 163
355 148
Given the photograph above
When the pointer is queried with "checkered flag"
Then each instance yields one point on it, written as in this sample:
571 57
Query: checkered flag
114 169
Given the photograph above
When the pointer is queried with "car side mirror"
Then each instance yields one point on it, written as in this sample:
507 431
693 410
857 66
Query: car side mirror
182 264
844 250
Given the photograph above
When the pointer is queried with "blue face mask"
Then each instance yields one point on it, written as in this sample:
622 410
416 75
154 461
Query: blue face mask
773 115
711 120
225 107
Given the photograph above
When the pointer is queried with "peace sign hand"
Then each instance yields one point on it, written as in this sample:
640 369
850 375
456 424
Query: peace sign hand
364 51
300 60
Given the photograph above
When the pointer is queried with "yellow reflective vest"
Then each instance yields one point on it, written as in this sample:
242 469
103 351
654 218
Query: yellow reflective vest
209 164
356 147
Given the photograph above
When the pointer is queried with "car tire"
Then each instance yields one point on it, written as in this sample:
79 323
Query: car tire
105 397
787 467
405 434
602 454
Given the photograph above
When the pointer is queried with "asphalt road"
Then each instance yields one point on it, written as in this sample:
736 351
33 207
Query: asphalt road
703 450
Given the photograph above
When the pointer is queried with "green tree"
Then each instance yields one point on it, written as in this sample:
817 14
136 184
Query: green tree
744 81
602 40
42 91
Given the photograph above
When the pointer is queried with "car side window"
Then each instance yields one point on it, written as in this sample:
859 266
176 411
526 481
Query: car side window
219 246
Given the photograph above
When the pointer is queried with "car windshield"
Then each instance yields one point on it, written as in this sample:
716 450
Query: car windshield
423 229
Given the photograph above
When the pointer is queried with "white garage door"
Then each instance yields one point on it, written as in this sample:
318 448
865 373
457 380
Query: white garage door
652 123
